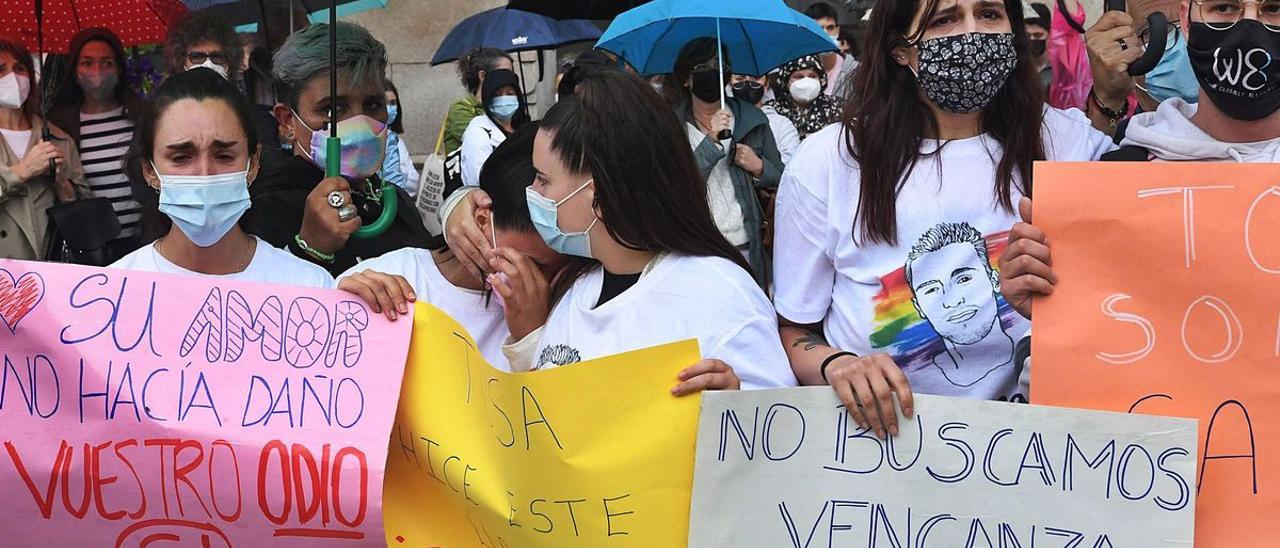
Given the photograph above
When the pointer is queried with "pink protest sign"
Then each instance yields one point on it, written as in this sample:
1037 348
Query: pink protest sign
138 408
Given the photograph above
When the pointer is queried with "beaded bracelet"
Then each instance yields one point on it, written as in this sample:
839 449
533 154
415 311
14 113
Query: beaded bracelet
313 252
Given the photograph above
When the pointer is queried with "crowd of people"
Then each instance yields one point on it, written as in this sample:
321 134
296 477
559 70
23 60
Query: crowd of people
859 219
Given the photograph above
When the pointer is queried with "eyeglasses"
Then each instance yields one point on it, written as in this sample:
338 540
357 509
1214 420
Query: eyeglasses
1174 34
1224 14
199 57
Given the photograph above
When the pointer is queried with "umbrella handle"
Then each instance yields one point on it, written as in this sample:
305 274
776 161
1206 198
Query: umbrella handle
333 157
390 204
727 133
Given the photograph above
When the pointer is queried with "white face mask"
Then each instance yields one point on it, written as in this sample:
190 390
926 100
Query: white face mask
14 89
208 63
805 90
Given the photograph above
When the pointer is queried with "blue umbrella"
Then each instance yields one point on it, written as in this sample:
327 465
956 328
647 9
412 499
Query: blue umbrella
760 35
511 30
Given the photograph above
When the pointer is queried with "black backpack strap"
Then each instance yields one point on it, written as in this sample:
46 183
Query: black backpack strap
1131 153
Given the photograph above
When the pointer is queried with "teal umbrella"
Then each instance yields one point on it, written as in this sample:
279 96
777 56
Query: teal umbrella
760 35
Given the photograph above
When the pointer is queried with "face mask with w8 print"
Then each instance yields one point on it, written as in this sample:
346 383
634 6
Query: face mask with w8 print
964 72
1238 68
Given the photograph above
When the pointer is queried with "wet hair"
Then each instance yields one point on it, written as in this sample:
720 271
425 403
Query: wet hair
947 234
201 84
476 61
822 10
197 27
23 57
506 174
648 189
885 127
583 66
397 125
69 91
848 37
305 55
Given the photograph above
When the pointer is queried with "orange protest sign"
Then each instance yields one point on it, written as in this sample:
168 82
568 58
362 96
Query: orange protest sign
1168 303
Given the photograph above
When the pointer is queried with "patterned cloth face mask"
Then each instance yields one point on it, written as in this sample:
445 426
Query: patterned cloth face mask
964 72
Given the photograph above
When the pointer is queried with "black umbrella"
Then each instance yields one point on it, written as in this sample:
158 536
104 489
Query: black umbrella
576 9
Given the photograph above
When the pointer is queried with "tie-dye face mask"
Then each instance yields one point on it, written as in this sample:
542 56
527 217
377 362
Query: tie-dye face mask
364 142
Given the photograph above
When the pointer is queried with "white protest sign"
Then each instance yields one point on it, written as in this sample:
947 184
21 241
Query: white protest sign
789 468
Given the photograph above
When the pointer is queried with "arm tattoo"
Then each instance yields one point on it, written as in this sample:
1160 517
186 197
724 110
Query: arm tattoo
810 340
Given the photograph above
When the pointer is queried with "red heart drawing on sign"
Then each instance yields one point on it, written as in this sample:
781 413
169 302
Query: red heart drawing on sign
18 297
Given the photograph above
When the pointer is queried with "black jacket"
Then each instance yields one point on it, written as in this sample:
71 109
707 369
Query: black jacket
279 197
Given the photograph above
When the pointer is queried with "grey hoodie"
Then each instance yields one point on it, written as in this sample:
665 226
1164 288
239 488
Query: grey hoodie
1169 135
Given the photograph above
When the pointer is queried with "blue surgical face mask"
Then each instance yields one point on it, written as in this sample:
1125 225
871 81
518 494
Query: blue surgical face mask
504 107
204 207
393 112
546 218
1173 76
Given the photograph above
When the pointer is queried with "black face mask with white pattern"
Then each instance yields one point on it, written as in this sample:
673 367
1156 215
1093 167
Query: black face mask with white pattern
1238 68
963 73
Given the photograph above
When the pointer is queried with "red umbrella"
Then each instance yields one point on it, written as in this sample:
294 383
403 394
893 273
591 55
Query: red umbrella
136 22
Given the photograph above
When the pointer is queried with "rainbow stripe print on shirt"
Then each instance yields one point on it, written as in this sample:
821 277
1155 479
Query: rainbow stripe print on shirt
954 289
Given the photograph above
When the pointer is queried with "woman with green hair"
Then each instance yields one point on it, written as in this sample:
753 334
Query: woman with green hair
294 203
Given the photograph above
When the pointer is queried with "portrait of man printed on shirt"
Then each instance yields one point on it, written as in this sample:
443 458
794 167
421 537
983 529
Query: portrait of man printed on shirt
956 290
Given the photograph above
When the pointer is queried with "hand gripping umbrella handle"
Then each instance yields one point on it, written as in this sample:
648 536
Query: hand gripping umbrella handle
1158 30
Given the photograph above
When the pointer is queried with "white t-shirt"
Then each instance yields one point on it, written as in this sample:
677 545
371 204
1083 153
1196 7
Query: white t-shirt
679 298
935 309
784 134
268 265
725 208
19 141
479 140
486 323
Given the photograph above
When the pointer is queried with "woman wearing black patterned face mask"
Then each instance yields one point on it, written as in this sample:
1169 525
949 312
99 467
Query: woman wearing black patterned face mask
885 221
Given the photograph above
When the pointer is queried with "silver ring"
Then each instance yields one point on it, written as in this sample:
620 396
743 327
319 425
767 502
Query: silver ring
1124 46
337 199
347 212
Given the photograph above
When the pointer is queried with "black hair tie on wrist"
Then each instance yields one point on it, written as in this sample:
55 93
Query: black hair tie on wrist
830 359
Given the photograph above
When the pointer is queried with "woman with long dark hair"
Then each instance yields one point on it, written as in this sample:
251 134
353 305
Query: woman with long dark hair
96 107
436 275
615 177
888 224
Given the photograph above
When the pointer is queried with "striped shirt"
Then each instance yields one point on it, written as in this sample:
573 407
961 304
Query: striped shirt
104 139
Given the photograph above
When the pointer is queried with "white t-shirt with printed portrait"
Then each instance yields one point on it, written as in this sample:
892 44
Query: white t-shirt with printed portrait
932 301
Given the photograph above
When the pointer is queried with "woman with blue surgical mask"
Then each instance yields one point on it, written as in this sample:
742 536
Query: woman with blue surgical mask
660 271
191 163
397 167
504 111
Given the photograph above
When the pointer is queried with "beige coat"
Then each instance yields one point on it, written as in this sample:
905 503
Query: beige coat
24 222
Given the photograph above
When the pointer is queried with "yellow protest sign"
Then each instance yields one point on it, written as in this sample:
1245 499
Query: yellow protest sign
594 454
